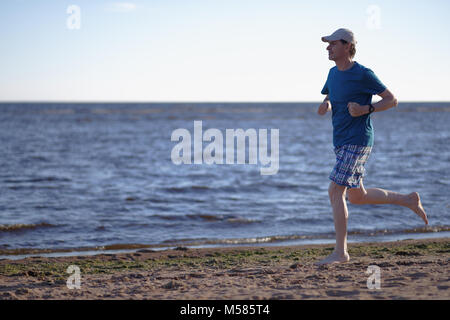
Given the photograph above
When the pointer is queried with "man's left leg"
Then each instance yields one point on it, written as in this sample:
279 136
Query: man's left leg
380 196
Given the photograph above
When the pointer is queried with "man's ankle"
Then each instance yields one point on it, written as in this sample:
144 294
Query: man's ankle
340 252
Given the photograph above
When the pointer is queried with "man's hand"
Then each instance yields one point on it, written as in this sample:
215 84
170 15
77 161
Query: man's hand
357 110
324 107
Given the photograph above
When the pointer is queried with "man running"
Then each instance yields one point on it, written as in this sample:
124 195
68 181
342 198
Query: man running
349 89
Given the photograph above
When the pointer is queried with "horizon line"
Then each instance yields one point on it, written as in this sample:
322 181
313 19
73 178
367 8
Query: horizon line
187 101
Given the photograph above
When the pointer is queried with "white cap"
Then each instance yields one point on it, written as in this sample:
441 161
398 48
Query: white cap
340 34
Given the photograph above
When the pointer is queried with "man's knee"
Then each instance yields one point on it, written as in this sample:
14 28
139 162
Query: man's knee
356 195
335 190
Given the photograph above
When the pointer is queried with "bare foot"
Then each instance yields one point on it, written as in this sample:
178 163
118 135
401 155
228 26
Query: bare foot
334 258
415 205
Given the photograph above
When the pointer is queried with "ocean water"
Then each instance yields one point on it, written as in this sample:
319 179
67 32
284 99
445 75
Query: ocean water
100 176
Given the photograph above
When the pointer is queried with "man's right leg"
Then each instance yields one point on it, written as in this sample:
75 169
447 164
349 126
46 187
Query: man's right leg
340 215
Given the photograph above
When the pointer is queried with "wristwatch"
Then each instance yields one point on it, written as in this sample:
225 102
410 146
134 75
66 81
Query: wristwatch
371 108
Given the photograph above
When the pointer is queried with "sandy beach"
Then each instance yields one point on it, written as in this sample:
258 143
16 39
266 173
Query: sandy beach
409 269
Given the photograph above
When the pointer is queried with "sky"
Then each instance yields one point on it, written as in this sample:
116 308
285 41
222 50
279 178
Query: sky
214 50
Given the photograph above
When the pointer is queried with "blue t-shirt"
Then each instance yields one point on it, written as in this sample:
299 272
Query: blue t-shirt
357 84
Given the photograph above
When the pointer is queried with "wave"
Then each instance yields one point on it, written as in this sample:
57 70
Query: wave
58 111
225 218
249 187
127 111
282 238
241 241
201 242
244 187
207 217
184 189
424 109
37 251
38 179
427 229
23 227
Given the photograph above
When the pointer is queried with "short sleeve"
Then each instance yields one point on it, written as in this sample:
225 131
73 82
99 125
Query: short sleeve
325 88
372 84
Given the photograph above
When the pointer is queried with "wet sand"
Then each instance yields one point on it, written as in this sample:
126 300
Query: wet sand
409 269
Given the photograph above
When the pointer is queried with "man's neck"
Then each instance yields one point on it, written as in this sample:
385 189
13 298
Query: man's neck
344 64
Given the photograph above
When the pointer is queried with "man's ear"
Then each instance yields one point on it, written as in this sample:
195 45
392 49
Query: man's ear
347 47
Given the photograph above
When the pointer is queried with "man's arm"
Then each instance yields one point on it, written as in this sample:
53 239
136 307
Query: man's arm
387 101
325 106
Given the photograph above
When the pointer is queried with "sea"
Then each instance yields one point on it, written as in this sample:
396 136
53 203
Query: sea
101 177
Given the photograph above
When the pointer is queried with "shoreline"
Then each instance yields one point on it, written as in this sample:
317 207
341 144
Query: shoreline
410 269
22 253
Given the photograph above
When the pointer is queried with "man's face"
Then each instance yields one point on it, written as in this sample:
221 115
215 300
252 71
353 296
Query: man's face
337 50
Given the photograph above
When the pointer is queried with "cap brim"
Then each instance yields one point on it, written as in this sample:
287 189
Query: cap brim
328 39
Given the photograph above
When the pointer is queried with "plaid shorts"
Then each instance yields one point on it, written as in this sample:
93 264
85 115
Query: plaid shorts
349 167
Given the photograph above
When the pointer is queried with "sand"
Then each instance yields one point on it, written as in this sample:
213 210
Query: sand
409 269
